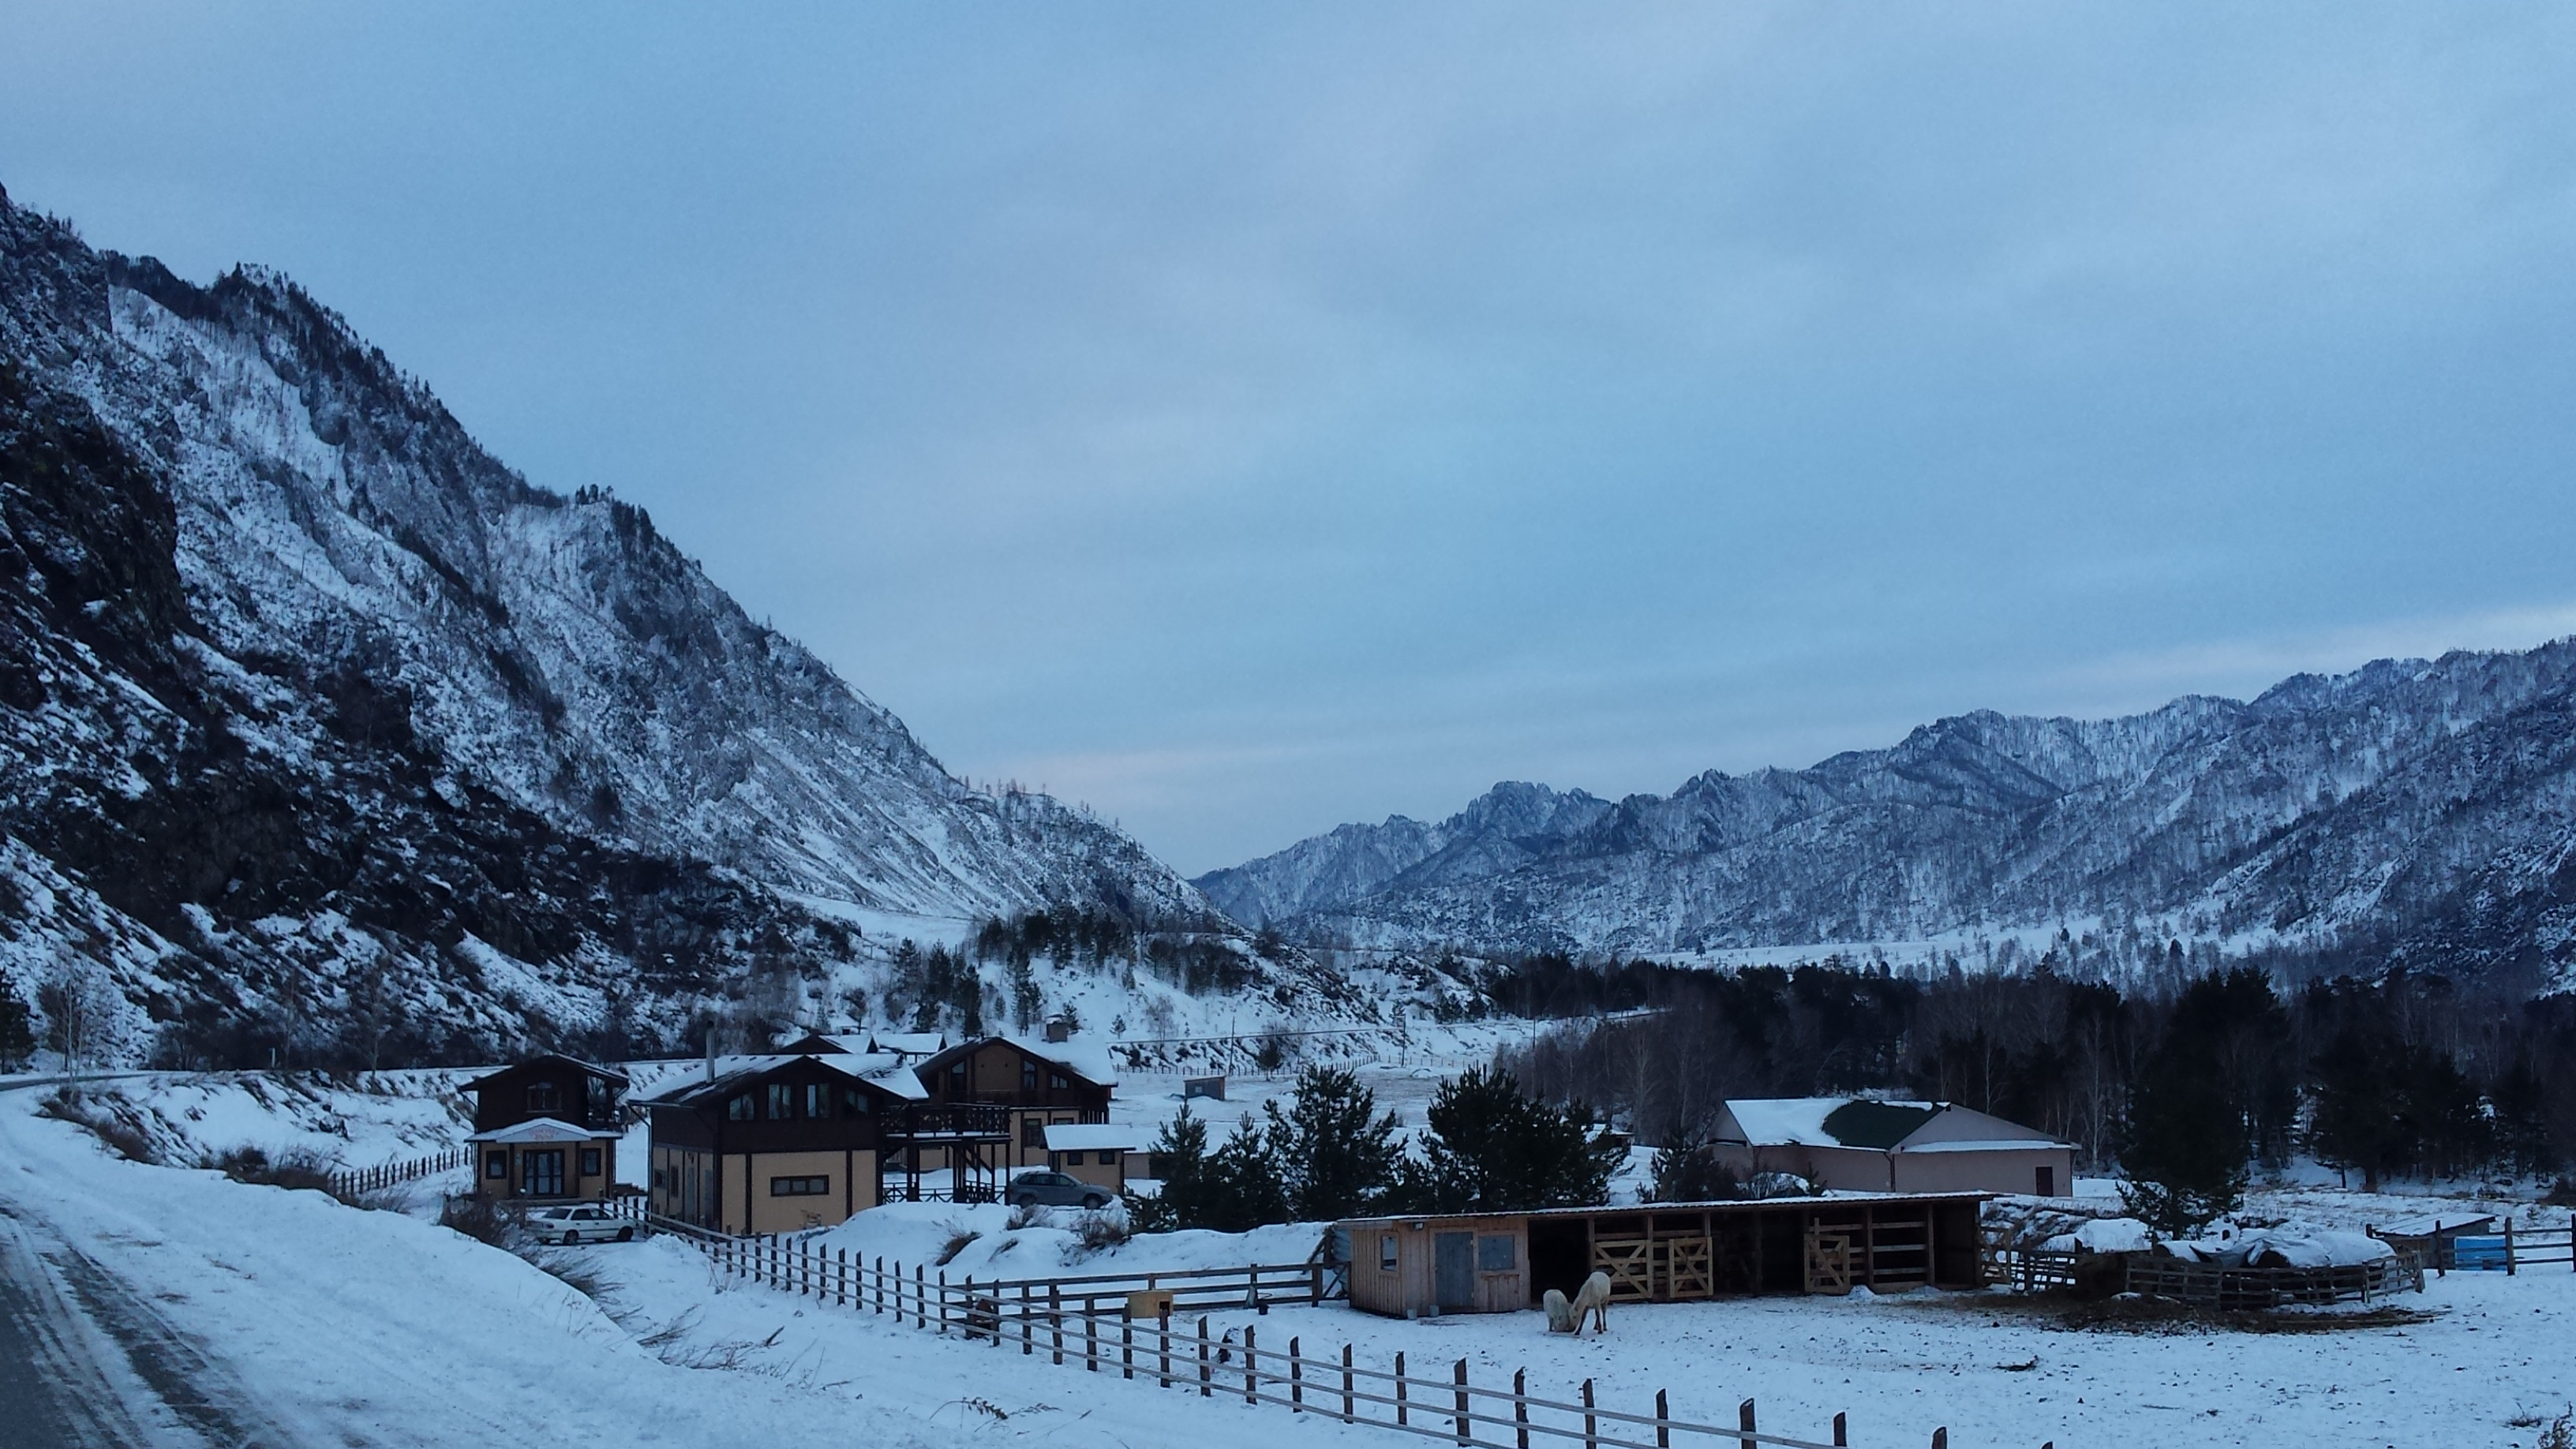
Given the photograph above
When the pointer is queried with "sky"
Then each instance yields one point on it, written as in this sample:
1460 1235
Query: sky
1248 419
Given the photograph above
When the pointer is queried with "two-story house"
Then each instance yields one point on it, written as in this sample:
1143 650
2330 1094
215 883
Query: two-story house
1039 1083
774 1144
547 1129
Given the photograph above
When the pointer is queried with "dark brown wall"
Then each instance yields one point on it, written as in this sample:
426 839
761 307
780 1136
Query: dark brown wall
501 1099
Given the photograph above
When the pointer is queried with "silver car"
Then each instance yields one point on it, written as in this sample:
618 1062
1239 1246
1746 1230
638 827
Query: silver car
579 1223
1045 1188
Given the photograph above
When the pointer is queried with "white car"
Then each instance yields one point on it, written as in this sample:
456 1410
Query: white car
581 1223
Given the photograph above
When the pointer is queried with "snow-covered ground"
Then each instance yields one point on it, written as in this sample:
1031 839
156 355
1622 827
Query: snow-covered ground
325 1324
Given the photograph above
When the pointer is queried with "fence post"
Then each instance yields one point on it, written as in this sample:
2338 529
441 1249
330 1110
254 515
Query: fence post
2508 1245
1842 1432
1091 1337
920 1314
1941 1439
1520 1408
1126 1347
1203 1356
943 1303
1251 1362
1055 1319
844 1274
1458 1376
1346 1383
1163 1331
1400 1414
1591 1429
1296 1377
876 1280
1028 1329
1744 1421
1663 1422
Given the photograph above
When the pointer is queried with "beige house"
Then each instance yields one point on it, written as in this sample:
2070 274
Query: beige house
777 1144
546 1129
1858 1144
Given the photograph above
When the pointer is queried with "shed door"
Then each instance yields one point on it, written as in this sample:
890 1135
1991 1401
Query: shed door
1453 1270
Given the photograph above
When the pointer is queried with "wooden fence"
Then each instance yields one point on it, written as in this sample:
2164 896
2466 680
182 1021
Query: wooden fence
2208 1285
2508 1249
369 1179
1122 1323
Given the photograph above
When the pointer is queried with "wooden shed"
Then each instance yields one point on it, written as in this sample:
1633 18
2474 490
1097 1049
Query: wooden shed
1410 1267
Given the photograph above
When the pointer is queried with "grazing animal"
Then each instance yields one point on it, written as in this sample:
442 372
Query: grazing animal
1591 1300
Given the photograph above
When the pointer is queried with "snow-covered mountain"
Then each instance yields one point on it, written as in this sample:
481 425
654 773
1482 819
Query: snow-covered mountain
2410 812
304 693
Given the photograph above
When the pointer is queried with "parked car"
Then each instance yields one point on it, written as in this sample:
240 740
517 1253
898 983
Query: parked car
580 1223
1044 1188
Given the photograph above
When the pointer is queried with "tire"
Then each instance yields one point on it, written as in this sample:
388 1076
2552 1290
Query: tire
572 1238
626 1235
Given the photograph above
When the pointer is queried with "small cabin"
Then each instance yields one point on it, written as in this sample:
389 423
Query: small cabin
1421 1266
1860 1144
547 1129
1092 1152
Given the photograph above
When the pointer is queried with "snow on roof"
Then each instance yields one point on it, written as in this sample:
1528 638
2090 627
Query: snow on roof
2001 1144
910 1043
1801 1121
881 1070
1088 1058
1093 1137
539 1129
593 1068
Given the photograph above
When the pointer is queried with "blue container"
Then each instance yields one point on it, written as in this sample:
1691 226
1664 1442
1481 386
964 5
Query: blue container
2478 1254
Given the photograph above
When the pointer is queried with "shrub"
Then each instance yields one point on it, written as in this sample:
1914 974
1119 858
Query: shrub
123 1135
483 1220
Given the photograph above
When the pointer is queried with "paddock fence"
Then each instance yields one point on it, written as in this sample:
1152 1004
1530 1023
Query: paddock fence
387 1174
1123 1324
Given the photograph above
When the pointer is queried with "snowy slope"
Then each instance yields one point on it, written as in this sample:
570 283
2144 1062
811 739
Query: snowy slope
2422 812
321 729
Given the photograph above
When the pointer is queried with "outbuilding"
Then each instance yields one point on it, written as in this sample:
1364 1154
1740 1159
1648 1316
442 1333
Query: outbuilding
1092 1152
1415 1266
1861 1144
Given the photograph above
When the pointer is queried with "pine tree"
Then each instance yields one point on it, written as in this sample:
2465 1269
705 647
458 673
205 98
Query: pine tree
17 1034
1180 1161
1491 1148
1337 1155
2191 1124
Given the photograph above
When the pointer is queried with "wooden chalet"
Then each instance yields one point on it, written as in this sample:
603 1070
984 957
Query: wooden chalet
1037 1084
774 1144
1417 1266
546 1129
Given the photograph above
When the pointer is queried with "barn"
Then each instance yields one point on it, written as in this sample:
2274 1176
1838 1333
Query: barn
1417 1266
1861 1144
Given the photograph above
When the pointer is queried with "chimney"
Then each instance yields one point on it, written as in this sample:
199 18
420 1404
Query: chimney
1058 1029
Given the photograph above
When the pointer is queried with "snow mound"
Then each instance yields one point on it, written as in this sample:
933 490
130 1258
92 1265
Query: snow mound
2104 1235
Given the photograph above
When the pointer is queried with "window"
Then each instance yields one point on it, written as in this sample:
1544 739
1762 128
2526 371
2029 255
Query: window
854 1102
590 1162
957 1077
800 1187
1109 1158
1496 1253
739 1109
602 1099
818 1100
1032 1132
2048 1182
541 1172
1028 1076
1386 1252
782 1101
541 1096
496 1165
661 1178
1057 1081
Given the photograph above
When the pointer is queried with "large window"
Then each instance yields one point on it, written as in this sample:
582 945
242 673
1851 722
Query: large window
854 1101
1032 1132
782 1101
541 1096
1028 1076
590 1162
602 1100
1496 1253
800 1187
1386 1252
739 1109
541 1172
818 1100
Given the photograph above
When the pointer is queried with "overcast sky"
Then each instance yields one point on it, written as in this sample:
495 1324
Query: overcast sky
1248 419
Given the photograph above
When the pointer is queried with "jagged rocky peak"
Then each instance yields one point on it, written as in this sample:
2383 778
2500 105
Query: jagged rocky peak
2404 813
391 712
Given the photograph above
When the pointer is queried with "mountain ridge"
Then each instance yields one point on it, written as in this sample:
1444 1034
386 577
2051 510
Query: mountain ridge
2413 812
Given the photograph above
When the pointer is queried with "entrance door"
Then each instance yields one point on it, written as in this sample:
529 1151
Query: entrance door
541 1172
1453 1271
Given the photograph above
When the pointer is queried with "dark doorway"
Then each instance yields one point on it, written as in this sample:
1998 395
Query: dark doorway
1560 1256
541 1173
1453 1262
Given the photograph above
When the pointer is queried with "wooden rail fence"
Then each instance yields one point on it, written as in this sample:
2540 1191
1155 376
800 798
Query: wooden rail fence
386 1174
1122 1323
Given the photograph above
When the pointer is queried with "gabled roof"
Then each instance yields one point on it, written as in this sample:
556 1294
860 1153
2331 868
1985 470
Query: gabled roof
1878 1126
732 1074
539 1129
594 1068
1080 1059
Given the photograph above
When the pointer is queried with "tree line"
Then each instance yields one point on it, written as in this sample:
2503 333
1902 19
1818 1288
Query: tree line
1487 1145
2183 1089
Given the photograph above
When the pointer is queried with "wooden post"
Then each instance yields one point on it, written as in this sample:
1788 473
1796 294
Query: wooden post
1842 1432
1663 1422
1940 1439
1400 1411
1296 1378
878 1281
2508 1245
1205 1367
1165 1330
1091 1340
1591 1429
1028 1343
920 1313
1458 1377
1055 1319
841 1272
1346 1383
1744 1421
1126 1347
943 1303
1251 1364
1520 1408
